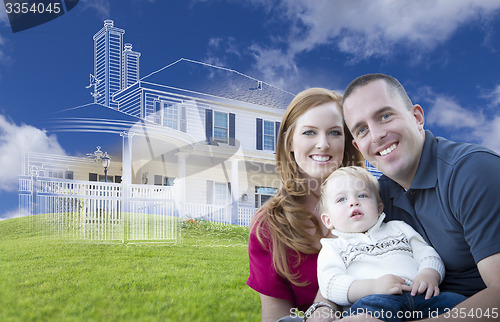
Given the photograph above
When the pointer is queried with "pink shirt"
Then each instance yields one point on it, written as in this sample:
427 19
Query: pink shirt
265 280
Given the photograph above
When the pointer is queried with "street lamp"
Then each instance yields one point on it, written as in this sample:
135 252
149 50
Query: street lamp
105 163
101 157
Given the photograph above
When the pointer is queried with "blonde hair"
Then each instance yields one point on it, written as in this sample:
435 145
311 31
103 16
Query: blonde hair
351 171
282 218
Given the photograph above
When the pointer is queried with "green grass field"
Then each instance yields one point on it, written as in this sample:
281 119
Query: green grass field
202 278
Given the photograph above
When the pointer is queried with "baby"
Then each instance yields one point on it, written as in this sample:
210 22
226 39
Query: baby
384 269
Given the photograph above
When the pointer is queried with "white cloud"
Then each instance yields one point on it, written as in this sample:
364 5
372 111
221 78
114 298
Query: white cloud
489 134
446 112
274 66
474 125
365 28
493 96
101 6
4 21
221 50
14 141
10 214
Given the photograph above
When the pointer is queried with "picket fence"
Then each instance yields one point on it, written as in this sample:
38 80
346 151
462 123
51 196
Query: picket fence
103 211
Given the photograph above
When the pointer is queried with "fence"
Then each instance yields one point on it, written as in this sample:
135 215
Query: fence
112 211
98 210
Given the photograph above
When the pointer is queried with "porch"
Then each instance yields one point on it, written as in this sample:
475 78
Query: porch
116 211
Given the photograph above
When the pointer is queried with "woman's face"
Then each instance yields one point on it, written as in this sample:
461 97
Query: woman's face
318 141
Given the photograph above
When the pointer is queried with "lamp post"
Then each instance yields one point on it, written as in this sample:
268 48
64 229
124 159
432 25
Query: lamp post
105 163
101 157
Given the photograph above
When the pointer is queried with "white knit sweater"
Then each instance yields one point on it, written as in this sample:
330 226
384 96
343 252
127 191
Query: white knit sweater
386 248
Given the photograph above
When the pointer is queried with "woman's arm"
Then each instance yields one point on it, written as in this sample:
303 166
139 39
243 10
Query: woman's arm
274 309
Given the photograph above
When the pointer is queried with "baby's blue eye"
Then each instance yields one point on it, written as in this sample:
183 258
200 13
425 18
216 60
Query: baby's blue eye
341 199
309 132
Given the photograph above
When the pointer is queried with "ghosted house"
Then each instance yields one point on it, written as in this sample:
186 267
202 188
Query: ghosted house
208 131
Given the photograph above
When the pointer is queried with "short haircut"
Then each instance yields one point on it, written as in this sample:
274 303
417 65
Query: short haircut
351 171
394 87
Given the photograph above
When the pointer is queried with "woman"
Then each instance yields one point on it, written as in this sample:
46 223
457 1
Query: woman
313 141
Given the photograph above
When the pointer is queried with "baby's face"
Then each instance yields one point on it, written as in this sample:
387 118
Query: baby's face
351 206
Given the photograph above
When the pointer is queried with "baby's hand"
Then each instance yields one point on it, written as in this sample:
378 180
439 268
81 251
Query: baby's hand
390 284
427 280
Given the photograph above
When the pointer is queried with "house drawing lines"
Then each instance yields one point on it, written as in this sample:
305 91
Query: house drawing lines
196 141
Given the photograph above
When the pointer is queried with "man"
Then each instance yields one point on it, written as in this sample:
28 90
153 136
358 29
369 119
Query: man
447 191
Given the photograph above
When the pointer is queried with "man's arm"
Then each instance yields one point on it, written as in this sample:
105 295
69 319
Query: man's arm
484 305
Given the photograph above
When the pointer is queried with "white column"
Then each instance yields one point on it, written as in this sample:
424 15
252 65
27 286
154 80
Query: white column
127 156
180 183
126 176
235 190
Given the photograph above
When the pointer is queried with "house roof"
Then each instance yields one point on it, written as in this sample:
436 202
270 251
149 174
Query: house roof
220 82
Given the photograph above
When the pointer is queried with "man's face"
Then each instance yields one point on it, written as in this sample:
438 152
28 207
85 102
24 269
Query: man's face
388 135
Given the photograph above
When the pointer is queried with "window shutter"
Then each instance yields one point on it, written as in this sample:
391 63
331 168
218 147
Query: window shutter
183 124
259 134
232 129
92 176
158 111
210 192
229 195
209 124
277 129
158 180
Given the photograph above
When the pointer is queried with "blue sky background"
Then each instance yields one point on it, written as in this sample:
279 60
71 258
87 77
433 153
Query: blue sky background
446 54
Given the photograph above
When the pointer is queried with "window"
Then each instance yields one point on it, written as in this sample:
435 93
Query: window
68 175
220 127
220 193
55 174
92 176
262 194
164 181
267 133
102 178
268 136
170 114
168 181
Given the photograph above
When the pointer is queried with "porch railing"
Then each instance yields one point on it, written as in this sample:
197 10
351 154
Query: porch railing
112 211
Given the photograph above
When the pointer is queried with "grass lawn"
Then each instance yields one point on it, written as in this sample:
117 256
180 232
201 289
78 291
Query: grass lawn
200 279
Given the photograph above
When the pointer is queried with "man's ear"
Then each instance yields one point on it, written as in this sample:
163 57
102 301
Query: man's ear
355 144
380 208
418 113
326 221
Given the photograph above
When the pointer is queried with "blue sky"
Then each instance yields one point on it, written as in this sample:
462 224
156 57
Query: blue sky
446 54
